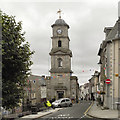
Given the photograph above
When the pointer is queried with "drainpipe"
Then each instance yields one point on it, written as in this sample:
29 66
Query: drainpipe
118 64
113 75
118 107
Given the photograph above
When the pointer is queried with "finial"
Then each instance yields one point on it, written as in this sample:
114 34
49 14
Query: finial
59 12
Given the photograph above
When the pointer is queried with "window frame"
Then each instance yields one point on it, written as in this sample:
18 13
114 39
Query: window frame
60 62
59 43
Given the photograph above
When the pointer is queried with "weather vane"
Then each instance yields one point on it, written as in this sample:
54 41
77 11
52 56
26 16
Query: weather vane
59 12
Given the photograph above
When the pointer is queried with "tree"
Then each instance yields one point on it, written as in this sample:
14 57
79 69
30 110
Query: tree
16 60
0 61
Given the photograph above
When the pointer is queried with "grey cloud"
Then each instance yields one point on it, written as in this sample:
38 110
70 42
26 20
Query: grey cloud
87 21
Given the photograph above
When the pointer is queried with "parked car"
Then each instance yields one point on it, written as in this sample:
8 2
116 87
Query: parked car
63 102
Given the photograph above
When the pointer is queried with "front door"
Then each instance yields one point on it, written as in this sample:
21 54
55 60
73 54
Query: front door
60 94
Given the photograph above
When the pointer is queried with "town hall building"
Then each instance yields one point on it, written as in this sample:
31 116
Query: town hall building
61 83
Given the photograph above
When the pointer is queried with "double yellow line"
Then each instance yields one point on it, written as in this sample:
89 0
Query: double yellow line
88 108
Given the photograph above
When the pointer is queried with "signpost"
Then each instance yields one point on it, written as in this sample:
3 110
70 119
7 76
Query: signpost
107 81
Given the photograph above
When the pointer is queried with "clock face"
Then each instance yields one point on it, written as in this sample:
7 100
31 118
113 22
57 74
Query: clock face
59 31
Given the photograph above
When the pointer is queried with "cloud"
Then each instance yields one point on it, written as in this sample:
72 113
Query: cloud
87 19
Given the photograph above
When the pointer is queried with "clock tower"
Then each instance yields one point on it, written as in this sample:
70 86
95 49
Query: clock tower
60 60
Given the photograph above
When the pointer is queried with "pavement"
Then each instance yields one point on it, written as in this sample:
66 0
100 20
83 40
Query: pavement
40 114
97 112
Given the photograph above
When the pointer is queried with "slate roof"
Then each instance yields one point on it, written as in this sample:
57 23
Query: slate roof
73 78
41 79
60 22
112 33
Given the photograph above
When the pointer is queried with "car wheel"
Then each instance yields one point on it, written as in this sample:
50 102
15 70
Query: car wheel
70 105
59 106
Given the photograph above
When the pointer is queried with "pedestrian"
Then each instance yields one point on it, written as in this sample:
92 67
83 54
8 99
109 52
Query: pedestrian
51 101
45 103
48 104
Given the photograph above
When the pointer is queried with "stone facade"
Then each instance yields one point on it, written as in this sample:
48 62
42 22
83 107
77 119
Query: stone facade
84 92
74 88
110 58
61 84
38 89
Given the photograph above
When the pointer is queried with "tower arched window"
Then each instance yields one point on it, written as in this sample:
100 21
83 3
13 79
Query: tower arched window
59 43
59 62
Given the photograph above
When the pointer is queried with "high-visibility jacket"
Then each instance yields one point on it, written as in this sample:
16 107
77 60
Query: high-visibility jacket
48 103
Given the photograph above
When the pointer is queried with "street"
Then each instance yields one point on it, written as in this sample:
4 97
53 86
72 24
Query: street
84 110
76 111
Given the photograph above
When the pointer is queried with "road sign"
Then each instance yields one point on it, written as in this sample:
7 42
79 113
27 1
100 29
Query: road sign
116 75
107 81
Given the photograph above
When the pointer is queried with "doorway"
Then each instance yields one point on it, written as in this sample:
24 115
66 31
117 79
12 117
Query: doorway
60 94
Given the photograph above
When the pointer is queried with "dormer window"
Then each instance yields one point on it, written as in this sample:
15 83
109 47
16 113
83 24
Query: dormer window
59 43
59 62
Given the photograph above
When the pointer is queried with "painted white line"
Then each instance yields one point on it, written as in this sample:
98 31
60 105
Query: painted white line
83 116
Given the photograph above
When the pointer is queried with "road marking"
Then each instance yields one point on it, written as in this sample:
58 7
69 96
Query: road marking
88 109
63 116
83 116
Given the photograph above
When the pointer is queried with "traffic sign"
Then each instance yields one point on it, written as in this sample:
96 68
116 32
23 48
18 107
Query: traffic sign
107 81
116 75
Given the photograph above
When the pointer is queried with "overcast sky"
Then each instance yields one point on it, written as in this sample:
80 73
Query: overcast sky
86 18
